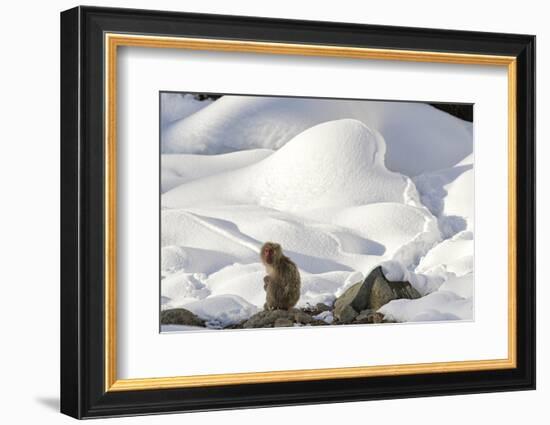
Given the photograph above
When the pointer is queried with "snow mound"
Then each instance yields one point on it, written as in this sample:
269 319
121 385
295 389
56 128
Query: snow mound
449 195
322 287
435 139
463 286
182 168
181 288
338 163
312 244
391 224
244 280
439 305
173 258
222 310
221 241
399 272
193 260
177 106
453 255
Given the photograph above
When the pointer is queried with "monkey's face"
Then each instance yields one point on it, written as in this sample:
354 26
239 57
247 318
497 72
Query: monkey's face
269 252
267 255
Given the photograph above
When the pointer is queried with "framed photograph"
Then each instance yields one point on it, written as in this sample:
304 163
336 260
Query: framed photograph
261 212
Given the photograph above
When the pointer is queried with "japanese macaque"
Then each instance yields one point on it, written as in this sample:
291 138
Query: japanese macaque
282 283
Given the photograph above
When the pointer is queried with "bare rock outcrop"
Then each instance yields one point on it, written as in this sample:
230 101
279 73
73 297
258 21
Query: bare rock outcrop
367 297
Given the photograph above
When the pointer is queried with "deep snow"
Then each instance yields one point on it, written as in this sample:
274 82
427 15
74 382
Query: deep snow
344 186
247 122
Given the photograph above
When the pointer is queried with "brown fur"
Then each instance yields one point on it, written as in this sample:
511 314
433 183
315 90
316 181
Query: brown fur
282 283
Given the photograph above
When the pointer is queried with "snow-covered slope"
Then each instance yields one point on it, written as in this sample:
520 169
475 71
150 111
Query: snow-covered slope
337 163
449 194
182 168
332 189
177 106
419 137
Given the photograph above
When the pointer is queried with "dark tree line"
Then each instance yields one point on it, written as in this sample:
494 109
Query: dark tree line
464 112
206 96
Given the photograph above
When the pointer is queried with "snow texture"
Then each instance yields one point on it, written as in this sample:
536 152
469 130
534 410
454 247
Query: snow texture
343 186
235 123
177 106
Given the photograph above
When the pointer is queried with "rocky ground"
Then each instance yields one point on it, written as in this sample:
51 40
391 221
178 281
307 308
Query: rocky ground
359 304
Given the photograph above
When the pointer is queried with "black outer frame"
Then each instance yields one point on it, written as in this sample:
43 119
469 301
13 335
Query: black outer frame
82 219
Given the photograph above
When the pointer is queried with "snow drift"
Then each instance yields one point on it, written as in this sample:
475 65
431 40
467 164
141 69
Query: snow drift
176 106
419 137
338 163
178 169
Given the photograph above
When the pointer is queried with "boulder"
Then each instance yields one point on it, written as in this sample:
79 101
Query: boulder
347 314
283 323
302 317
371 294
316 309
355 296
180 316
382 291
320 307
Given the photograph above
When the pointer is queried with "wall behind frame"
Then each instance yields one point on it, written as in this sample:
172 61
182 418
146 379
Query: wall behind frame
29 219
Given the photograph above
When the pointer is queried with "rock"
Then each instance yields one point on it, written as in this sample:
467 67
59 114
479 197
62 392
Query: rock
364 314
371 294
369 316
346 314
301 317
180 316
355 296
265 318
320 307
383 291
283 323
270 318
234 326
319 323
316 309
